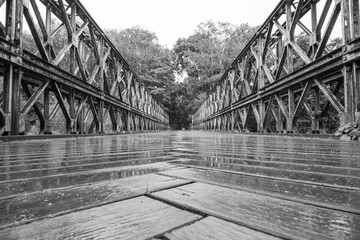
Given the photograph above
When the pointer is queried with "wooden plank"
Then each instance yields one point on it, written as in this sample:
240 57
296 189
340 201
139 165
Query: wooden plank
287 154
272 147
129 219
214 228
344 181
51 159
104 163
25 153
252 158
290 147
27 207
335 198
117 144
26 158
270 215
8 188
283 163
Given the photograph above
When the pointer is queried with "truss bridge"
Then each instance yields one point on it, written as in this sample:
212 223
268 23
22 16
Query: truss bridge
87 153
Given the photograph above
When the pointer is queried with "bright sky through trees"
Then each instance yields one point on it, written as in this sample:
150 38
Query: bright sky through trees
173 19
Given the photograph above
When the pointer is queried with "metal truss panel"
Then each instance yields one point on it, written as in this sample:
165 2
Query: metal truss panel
286 86
86 77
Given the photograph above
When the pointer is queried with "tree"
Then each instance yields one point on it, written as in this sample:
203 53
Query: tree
205 56
152 62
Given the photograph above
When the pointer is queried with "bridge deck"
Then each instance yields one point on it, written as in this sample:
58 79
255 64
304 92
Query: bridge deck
180 185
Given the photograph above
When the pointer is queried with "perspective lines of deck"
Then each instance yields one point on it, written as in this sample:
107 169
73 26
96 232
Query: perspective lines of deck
180 185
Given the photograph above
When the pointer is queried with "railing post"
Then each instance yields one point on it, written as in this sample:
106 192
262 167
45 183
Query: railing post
350 27
13 72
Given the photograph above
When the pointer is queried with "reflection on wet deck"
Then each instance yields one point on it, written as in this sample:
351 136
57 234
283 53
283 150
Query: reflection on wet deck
264 187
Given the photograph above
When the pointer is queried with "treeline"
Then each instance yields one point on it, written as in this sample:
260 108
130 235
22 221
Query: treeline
180 78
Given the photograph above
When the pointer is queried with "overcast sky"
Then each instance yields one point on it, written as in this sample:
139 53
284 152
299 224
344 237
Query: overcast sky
173 19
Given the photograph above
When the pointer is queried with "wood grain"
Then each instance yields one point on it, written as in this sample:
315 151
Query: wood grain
45 182
279 217
330 197
137 218
287 187
22 208
214 228
276 172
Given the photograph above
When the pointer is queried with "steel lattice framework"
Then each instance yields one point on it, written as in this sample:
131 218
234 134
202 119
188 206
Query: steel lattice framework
265 87
86 79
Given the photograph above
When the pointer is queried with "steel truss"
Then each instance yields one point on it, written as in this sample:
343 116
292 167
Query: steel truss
86 80
263 87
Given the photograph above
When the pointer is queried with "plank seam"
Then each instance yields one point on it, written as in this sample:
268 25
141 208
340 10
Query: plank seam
85 207
161 235
74 187
277 196
205 214
170 187
53 215
270 168
269 177
174 204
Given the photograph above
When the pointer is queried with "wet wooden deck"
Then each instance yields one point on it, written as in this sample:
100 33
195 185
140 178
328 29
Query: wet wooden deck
180 185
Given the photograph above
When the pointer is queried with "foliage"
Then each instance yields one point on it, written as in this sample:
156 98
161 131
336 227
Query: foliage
205 55
152 62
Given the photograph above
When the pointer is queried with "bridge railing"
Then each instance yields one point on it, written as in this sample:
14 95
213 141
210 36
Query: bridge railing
82 78
290 69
